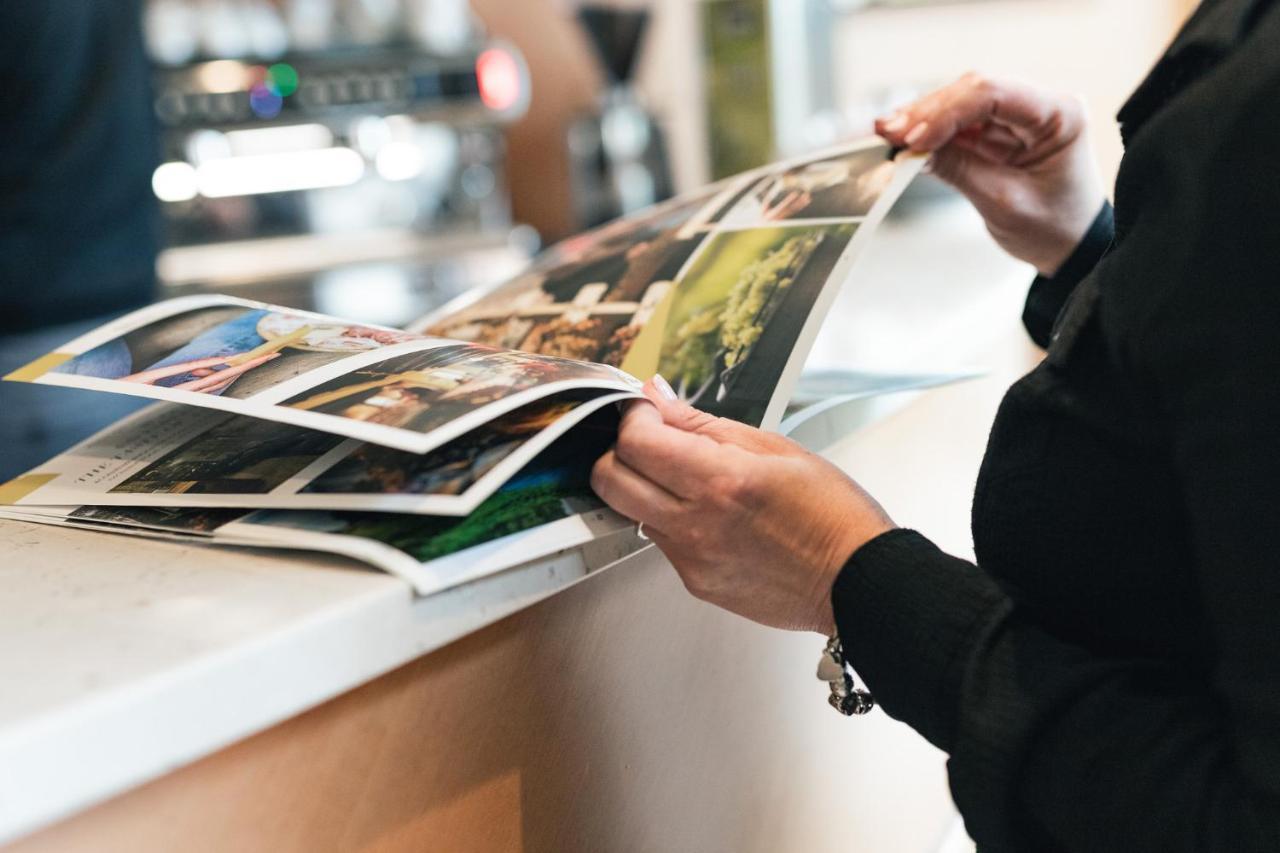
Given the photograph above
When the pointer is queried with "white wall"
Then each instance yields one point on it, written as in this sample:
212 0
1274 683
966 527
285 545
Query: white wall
1100 49
1097 48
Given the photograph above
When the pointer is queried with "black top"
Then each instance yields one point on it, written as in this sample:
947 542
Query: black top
78 231
1108 676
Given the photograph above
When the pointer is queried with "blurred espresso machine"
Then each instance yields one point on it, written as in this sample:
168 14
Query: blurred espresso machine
343 155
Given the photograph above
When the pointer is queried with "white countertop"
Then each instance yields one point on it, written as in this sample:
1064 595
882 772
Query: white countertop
123 658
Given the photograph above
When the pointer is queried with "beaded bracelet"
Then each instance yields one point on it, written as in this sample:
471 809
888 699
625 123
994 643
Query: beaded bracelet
833 669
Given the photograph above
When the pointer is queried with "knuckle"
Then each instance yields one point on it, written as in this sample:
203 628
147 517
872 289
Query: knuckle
703 539
712 534
600 476
705 424
741 481
689 418
725 488
751 489
627 445
733 488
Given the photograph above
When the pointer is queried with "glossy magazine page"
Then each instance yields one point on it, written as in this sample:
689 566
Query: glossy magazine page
722 291
177 456
548 507
400 390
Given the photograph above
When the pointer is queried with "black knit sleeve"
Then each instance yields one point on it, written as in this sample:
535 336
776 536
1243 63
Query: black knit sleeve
1048 295
905 611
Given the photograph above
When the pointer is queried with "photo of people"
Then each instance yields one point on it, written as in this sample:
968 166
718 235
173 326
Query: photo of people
626 231
738 311
841 187
423 391
240 455
589 308
232 460
230 350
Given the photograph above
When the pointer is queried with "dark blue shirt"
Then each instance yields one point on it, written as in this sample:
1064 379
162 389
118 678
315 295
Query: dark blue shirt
78 144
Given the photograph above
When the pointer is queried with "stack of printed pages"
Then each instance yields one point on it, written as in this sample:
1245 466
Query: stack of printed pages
465 448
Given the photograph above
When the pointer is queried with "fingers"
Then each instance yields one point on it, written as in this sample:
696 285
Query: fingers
983 182
935 120
674 411
631 494
683 450
994 143
679 461
679 414
682 416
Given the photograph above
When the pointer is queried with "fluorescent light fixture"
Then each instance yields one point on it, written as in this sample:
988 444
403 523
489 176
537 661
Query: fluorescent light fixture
276 173
400 161
276 140
174 182
205 145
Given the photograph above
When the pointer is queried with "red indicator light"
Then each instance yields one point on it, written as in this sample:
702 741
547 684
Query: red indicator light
500 80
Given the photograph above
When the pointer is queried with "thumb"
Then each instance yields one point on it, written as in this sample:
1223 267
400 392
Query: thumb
679 414
676 412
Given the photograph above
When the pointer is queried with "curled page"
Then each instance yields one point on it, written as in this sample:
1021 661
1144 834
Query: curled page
546 508
178 456
383 386
722 291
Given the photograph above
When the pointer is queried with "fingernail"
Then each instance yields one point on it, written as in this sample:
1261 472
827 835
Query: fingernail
664 388
896 123
917 133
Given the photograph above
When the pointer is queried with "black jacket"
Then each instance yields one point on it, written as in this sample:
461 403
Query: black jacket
1108 676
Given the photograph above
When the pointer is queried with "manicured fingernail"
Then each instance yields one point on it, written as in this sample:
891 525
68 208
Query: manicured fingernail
917 133
896 123
664 388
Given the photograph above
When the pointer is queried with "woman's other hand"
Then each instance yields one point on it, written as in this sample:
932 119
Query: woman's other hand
1021 155
751 521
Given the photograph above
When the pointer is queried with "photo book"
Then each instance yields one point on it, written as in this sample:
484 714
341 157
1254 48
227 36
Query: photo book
464 446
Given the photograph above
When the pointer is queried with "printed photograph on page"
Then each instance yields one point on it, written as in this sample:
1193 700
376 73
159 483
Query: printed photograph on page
231 350
589 296
173 456
837 188
732 320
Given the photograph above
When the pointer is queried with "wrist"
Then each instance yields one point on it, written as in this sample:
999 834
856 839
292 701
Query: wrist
838 554
1088 250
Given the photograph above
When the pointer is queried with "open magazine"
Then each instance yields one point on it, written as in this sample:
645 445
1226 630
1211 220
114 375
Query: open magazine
463 447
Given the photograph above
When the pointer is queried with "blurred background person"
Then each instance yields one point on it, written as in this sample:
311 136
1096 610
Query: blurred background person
79 225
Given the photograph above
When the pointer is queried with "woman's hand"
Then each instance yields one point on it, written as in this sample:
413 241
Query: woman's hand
752 522
1021 155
